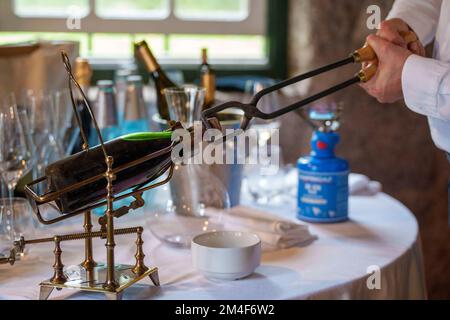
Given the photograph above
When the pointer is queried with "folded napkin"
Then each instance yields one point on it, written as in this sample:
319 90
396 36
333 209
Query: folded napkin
361 185
275 233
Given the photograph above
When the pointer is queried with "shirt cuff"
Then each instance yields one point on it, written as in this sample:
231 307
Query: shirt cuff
421 81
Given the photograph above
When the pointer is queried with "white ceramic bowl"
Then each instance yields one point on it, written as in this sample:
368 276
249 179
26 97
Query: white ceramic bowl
226 255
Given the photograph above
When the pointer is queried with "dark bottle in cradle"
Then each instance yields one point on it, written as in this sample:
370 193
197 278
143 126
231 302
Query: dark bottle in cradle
143 53
83 75
91 163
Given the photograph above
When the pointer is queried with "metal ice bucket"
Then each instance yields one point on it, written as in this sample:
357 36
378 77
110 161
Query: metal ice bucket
230 175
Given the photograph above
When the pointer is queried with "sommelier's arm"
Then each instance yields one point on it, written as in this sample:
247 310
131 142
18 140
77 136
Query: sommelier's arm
422 16
423 83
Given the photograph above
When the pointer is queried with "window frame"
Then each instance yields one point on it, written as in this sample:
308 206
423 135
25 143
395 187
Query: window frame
252 25
275 29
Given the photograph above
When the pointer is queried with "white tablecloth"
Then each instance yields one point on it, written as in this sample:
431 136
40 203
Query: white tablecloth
382 232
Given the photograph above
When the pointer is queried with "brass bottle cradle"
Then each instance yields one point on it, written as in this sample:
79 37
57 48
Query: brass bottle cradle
109 278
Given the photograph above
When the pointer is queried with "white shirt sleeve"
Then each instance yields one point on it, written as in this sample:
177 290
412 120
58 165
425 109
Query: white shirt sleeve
421 15
425 82
426 86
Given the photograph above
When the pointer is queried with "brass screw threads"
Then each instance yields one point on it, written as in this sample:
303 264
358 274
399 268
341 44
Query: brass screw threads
110 283
140 267
89 262
58 276
81 236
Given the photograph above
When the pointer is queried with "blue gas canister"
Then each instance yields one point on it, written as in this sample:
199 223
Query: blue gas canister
323 191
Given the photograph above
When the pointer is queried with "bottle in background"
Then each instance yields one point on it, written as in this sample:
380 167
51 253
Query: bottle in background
135 113
161 80
207 80
120 80
83 75
105 111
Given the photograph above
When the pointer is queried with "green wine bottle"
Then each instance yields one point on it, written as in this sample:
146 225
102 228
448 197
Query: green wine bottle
91 163
161 80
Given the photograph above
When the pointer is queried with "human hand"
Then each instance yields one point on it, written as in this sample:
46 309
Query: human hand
386 85
390 30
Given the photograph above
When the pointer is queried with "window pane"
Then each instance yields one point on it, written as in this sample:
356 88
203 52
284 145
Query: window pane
51 8
166 48
223 10
132 9
219 46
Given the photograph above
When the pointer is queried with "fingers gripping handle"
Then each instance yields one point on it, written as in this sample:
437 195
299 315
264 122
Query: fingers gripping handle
367 54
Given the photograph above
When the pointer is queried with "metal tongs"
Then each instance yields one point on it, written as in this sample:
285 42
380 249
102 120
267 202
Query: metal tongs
364 55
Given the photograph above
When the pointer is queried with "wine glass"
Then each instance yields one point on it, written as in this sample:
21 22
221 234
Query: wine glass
25 224
14 155
41 114
62 123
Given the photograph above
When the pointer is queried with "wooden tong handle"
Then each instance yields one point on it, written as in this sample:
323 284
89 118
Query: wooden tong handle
367 54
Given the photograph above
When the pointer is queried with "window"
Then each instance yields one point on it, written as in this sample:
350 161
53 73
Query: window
232 30
50 8
222 10
132 9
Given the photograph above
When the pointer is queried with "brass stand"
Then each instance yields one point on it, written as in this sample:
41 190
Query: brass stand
96 278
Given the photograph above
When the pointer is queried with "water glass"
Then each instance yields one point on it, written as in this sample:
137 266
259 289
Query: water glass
185 104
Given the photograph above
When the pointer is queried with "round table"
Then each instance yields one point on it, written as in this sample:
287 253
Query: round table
375 255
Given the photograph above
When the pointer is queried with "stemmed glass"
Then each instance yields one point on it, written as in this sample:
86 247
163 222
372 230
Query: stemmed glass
62 121
14 154
41 114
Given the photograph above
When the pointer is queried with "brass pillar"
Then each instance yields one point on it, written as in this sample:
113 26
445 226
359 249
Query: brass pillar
58 276
140 267
111 283
88 262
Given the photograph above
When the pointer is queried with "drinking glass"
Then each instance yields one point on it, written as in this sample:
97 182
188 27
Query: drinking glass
23 220
262 187
14 155
62 120
185 103
41 112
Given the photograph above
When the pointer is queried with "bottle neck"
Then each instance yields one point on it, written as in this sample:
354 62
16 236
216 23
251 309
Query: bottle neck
147 57
204 57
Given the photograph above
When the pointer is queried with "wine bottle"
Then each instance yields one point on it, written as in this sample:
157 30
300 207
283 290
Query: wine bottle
91 163
207 80
159 77
83 75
